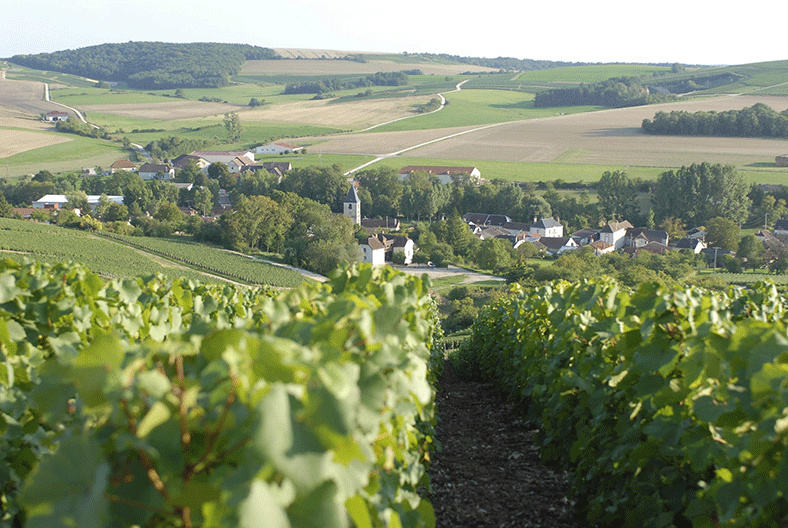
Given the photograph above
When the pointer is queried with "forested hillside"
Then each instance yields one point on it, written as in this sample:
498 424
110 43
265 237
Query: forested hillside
151 65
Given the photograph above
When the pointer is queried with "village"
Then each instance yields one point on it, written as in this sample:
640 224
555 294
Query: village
382 239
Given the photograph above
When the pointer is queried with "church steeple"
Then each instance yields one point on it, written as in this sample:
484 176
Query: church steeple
352 205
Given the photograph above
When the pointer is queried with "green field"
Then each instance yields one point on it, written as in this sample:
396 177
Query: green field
71 155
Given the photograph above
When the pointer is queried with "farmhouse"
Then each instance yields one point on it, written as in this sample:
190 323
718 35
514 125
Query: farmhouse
212 156
782 161
446 175
122 165
56 115
278 147
156 171
639 237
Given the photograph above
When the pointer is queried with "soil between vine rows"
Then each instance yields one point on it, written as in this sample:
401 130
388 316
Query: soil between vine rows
488 473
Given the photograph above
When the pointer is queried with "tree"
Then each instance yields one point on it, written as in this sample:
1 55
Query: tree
700 192
751 250
493 254
203 199
232 123
618 197
722 233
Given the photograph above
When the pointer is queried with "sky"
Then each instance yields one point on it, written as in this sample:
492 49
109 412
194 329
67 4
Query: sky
686 31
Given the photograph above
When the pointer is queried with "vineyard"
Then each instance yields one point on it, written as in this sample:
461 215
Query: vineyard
668 406
169 403
216 261
127 257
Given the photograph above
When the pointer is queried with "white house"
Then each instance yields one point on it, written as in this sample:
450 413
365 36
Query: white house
558 245
278 147
547 227
237 164
445 174
398 244
156 171
57 201
56 115
614 233
374 251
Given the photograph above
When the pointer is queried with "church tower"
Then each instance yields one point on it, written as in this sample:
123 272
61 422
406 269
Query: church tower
352 206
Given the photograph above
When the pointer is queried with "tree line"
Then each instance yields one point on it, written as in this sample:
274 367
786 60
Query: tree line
616 92
333 84
152 65
759 120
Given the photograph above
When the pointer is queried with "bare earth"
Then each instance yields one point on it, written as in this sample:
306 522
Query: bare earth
16 141
608 137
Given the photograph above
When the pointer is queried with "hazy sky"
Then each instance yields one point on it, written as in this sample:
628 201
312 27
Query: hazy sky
687 31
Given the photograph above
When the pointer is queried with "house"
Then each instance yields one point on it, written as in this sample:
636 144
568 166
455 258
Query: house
614 233
780 228
213 156
517 228
277 168
547 227
156 171
657 248
397 244
639 237
278 147
380 224
23 212
446 175
781 161
600 247
88 171
122 165
404 245
692 244
57 201
182 161
374 251
493 232
236 165
485 220
56 115
584 237
558 245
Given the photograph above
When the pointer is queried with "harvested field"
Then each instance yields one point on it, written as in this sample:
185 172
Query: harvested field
355 114
16 141
164 110
340 67
608 137
23 99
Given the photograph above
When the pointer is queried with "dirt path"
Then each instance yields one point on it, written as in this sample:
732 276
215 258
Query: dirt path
488 473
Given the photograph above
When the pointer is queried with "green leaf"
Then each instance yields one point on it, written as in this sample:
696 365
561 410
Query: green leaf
318 509
67 488
91 368
158 414
260 509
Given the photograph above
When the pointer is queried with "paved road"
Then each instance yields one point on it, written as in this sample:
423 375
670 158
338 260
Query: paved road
451 271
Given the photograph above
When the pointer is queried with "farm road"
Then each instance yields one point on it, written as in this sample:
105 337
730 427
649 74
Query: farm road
604 137
392 154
